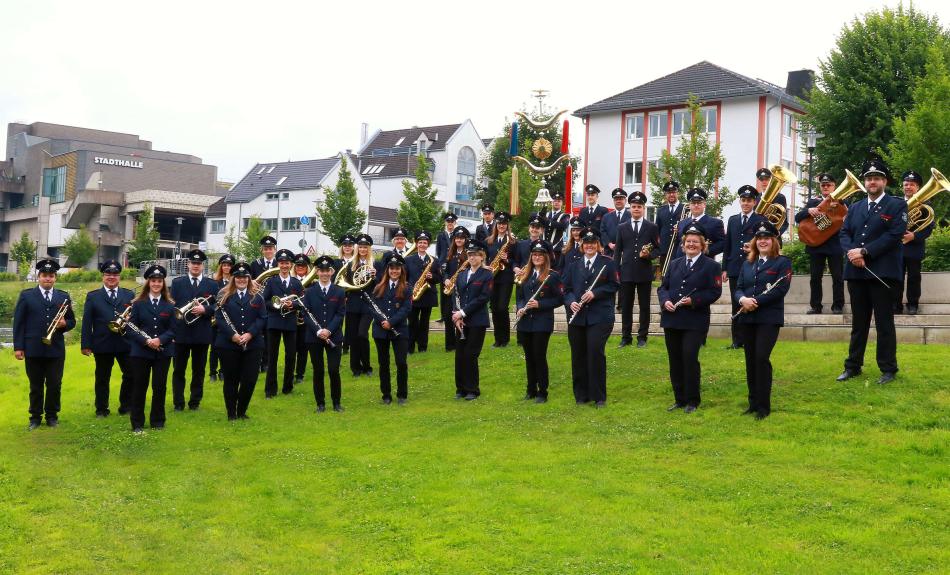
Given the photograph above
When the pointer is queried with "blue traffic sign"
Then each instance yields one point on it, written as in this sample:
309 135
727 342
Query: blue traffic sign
305 220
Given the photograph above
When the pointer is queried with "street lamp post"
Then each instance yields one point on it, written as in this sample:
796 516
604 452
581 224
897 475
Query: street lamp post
98 249
811 139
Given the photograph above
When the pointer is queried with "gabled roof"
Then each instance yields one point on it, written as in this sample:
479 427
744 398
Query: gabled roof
217 209
705 80
373 167
303 175
437 135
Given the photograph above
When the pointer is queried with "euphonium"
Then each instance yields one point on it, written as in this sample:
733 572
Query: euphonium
183 311
773 212
422 284
450 283
53 326
267 274
118 324
358 278
919 214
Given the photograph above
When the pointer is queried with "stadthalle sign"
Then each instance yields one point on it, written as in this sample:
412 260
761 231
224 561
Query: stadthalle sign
114 162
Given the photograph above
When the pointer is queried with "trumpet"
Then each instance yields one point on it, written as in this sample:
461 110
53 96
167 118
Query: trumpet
54 325
118 324
279 303
183 312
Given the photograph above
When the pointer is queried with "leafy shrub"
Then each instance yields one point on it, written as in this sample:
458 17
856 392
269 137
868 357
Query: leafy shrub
795 251
8 277
129 273
80 276
937 256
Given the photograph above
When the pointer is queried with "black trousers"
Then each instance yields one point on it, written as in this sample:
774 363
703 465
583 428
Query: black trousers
682 347
536 361
213 353
870 297
419 328
290 349
759 341
588 360
104 363
46 384
400 347
500 318
466 360
199 358
334 355
239 373
912 275
302 349
142 370
629 290
817 270
359 342
446 306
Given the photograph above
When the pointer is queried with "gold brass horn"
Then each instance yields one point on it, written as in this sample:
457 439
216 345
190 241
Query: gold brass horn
919 214
267 274
774 213
357 279
310 277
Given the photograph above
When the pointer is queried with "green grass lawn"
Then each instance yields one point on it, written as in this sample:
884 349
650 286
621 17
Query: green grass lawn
842 478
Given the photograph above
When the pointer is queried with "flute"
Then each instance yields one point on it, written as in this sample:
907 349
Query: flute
523 311
768 288
589 289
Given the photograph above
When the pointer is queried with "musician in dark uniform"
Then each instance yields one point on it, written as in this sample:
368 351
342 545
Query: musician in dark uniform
347 253
301 270
152 341
470 318
638 244
260 265
442 243
570 248
520 254
455 258
913 252
416 264
281 323
501 244
35 311
762 177
327 303
829 251
241 318
557 220
668 215
691 284
536 299
713 229
871 237
590 285
221 277
400 242
484 229
357 309
193 334
763 283
102 306
742 227
392 297
612 221
592 213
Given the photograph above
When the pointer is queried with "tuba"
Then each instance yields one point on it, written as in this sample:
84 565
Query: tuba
422 284
774 213
919 214
818 230
356 279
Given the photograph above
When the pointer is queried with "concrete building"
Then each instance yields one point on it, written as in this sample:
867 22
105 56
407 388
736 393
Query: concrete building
57 178
755 123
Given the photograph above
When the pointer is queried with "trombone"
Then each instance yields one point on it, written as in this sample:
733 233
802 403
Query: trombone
184 311
54 325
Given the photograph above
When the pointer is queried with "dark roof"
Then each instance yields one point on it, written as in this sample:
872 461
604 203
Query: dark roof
385 166
303 175
217 209
380 214
706 80
487 142
437 135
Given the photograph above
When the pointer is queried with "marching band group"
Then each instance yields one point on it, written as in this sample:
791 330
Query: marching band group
332 306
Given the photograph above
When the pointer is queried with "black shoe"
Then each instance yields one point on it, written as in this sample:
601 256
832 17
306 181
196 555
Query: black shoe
213 376
581 402
298 379
101 414
123 411
471 397
759 415
748 411
540 399
321 408
912 309
232 418
734 345
263 369
138 430
886 377
459 395
339 408
158 426
529 397
641 343
33 425
368 372
689 409
52 422
448 349
600 405
243 416
270 395
624 343
423 349
440 320
401 401
193 406
675 406
848 374
287 391
387 400
179 408
838 309
357 374
898 310
813 311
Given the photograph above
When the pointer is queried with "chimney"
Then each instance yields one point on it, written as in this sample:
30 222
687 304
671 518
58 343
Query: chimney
800 82
364 133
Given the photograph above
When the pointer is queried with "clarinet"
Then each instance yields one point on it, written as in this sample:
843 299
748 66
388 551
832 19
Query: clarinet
592 284
458 307
524 311
141 332
379 313
314 324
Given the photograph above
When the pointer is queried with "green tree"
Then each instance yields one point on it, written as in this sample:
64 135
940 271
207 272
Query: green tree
867 83
420 210
232 245
144 246
340 212
695 163
23 252
250 241
79 247
527 191
922 137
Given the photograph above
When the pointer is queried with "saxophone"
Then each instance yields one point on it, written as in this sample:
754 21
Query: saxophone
422 284
450 283
497 264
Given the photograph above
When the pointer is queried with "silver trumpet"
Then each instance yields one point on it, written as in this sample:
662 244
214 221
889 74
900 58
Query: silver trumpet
278 303
184 312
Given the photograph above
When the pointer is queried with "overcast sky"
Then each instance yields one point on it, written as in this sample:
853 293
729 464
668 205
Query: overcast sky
242 82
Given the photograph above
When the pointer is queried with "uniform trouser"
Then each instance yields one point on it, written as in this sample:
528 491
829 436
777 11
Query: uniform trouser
912 273
446 305
588 361
213 353
627 292
290 349
759 341
199 358
419 328
347 329
302 348
334 354
142 370
682 347
870 297
817 270
400 347
536 361
104 363
239 373
359 342
45 375
500 318
466 360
